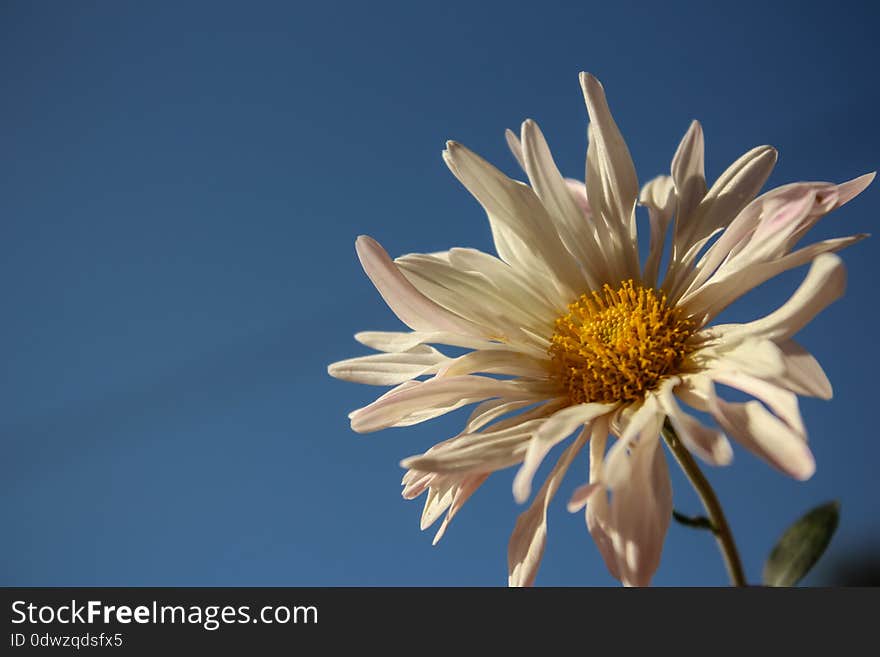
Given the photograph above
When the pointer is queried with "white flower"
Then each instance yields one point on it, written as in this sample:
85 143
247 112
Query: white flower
589 342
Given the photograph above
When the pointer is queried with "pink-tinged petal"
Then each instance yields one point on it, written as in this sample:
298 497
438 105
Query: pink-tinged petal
529 536
582 495
713 297
641 510
411 306
597 514
710 445
578 192
766 436
718 210
785 206
824 284
576 233
555 429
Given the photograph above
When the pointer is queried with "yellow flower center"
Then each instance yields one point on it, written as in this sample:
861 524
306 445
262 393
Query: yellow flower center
613 345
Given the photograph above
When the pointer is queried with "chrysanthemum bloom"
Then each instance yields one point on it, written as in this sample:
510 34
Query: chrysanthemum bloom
581 339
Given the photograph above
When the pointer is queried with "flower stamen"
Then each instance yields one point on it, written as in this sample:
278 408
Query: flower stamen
615 344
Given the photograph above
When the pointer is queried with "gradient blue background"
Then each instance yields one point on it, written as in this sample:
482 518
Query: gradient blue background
181 185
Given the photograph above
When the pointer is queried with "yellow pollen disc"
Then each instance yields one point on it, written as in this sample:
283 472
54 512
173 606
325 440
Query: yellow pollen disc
613 345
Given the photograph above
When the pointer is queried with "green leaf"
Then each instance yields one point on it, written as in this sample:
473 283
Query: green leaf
801 546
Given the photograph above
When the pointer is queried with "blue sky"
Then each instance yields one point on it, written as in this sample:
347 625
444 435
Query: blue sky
181 185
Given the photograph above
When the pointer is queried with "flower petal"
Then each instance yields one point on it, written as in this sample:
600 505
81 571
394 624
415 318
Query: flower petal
515 206
643 424
491 410
388 369
515 147
716 294
554 430
710 445
576 233
641 510
597 513
529 536
476 452
803 374
688 175
427 399
411 306
763 434
824 284
619 184
658 195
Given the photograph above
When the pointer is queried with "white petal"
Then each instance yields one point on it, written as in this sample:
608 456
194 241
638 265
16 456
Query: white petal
641 510
465 489
515 206
578 192
411 306
689 178
525 289
824 284
491 410
554 193
399 341
388 369
849 190
426 399
515 147
745 353
620 184
765 435
529 536
782 402
658 195
476 452
709 444
718 293
719 208
643 424
554 430
498 306
582 495
803 374
495 361
778 206
597 513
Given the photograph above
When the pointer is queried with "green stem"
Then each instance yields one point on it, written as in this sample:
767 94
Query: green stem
710 501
